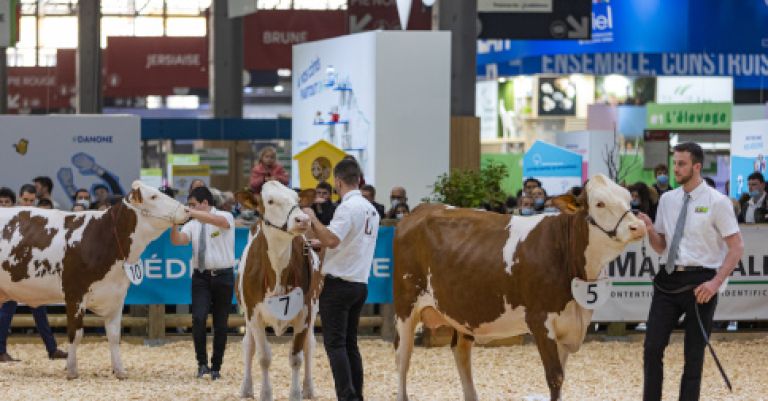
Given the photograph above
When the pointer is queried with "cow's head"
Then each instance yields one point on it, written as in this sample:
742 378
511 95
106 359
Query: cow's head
607 207
160 210
279 207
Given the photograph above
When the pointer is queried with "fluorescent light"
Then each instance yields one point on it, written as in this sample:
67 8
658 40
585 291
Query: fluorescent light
502 80
278 88
283 72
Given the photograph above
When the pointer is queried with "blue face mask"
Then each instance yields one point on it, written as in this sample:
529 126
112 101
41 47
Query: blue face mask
526 211
538 203
551 210
662 179
634 203
755 194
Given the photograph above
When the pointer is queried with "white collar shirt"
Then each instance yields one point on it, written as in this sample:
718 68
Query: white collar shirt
356 223
751 207
220 242
709 220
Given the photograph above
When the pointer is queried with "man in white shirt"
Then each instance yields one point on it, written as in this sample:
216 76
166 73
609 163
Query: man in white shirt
212 234
697 234
755 208
351 239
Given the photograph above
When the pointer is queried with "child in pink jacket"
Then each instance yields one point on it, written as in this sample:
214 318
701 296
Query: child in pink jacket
266 169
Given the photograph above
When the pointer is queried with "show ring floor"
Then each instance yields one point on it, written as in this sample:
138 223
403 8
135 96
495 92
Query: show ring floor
600 371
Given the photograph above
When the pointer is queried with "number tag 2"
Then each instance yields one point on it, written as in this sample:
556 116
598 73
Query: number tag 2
134 271
285 307
590 294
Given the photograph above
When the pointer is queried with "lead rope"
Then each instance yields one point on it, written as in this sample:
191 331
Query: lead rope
711 350
114 232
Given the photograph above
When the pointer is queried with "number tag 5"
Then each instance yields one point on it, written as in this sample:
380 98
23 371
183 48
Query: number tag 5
134 271
285 307
590 294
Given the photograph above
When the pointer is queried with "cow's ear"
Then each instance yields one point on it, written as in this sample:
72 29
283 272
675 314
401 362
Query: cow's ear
246 199
307 198
135 196
567 204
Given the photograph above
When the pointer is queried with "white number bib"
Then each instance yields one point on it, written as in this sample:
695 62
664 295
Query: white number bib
590 294
134 271
285 307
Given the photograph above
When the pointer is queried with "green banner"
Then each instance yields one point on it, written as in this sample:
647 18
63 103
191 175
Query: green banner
706 116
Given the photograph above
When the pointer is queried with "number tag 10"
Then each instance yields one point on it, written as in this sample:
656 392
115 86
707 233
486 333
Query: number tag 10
590 294
134 271
285 307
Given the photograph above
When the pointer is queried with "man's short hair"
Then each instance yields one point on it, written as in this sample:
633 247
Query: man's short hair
757 176
201 194
697 154
660 167
6 192
326 186
45 203
531 179
45 182
370 188
81 190
27 189
710 181
348 171
100 186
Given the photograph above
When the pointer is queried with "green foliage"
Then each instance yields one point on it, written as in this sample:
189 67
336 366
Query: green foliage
469 188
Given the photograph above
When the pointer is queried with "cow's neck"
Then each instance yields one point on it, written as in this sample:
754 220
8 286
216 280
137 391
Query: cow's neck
279 245
140 231
601 249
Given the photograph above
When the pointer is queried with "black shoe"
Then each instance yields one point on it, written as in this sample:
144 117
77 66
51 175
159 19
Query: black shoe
58 354
215 375
202 370
7 358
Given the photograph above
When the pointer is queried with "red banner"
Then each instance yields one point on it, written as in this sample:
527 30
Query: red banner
34 89
141 66
368 15
269 34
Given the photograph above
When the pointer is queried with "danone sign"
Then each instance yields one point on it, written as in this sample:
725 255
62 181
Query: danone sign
706 116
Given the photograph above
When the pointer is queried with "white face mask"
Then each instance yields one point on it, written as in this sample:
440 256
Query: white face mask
247 214
84 202
399 216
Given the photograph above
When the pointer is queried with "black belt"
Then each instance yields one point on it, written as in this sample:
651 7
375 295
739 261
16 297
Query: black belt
214 272
681 268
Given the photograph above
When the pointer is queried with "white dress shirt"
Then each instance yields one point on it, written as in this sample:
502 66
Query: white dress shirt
356 223
220 242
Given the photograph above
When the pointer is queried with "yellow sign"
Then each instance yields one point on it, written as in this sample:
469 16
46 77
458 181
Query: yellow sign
316 163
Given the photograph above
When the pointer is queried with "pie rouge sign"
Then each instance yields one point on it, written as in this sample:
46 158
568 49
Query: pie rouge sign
34 88
141 66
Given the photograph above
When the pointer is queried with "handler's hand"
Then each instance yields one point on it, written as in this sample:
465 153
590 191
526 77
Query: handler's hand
706 291
646 220
309 212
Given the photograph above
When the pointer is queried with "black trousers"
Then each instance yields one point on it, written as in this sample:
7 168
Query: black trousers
211 294
664 314
340 305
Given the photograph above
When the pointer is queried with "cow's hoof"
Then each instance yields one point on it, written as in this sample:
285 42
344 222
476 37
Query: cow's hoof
266 395
308 392
121 375
246 393
295 395
72 375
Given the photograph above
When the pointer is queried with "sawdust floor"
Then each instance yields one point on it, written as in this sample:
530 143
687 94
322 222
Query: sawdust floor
600 371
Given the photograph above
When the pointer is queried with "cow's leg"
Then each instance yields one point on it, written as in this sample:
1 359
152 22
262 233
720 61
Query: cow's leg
548 350
75 333
112 327
563 353
461 345
265 358
403 349
295 358
249 349
308 389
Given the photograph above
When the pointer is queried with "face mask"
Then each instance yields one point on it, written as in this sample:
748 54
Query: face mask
526 211
662 179
86 203
538 203
635 203
247 214
755 194
551 210
394 202
399 216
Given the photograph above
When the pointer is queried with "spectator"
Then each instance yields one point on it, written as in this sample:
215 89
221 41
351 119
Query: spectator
27 195
267 169
44 187
662 179
8 309
228 201
529 185
45 204
549 207
539 196
83 197
100 195
369 192
641 200
396 196
525 208
401 210
78 207
7 197
754 207
323 206
196 183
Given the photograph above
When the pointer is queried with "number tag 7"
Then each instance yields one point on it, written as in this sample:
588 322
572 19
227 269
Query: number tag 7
285 307
590 294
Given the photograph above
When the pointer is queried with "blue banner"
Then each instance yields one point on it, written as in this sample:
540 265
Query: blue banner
168 276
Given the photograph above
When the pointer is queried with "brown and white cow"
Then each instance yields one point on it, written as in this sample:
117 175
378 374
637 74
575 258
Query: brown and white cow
275 261
51 256
493 276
